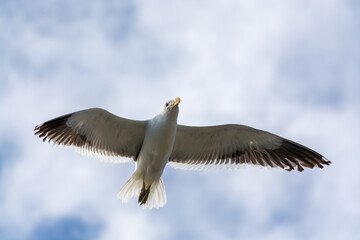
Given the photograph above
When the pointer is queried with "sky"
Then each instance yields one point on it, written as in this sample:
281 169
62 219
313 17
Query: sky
288 67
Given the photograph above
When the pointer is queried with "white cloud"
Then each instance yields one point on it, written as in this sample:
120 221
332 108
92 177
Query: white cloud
286 67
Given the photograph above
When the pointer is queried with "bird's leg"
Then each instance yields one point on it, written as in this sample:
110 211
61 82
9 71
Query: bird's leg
144 194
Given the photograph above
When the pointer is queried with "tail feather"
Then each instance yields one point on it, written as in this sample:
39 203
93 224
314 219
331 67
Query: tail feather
157 195
153 197
131 188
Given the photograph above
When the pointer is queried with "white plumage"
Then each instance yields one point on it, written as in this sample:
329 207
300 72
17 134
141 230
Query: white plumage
154 143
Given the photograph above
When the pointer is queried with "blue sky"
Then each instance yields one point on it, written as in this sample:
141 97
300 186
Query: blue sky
288 67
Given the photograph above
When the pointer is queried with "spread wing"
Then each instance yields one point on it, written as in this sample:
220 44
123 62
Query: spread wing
199 147
96 131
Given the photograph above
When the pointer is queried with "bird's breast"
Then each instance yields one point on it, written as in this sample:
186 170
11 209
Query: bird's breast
157 147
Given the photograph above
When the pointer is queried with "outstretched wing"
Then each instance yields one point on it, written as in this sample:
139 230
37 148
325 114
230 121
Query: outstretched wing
96 131
199 147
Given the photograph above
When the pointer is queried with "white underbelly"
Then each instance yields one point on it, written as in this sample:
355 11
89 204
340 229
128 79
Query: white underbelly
155 152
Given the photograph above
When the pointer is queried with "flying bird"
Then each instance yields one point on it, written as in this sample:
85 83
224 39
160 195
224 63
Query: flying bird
160 141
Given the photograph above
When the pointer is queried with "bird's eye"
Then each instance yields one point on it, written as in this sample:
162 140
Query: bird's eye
166 104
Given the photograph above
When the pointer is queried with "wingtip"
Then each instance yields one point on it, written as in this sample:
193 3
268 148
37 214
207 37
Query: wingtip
36 129
326 161
299 168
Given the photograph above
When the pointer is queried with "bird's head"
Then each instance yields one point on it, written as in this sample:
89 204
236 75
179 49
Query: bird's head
171 107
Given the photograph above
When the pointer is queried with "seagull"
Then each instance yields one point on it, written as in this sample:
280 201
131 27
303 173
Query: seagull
160 141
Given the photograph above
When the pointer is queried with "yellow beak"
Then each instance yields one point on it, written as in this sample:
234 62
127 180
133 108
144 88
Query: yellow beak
176 101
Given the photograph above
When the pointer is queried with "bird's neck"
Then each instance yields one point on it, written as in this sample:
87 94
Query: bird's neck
167 116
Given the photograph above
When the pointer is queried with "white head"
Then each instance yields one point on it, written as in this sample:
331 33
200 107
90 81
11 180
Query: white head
172 107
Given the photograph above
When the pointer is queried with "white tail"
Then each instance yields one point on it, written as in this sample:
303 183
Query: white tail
131 188
157 194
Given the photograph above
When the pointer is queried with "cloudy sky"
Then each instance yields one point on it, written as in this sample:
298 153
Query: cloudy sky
288 67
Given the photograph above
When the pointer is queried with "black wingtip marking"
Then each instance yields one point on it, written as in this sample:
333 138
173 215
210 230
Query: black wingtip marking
326 161
302 156
46 129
